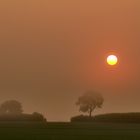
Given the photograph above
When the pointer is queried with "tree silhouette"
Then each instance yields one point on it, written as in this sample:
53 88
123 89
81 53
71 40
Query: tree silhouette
89 102
11 107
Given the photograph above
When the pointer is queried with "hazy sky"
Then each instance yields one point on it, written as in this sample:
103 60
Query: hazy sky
51 51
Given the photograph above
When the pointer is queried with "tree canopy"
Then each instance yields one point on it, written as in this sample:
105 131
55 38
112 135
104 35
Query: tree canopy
89 101
11 107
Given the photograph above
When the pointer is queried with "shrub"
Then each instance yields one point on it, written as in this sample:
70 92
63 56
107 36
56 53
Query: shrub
113 118
35 117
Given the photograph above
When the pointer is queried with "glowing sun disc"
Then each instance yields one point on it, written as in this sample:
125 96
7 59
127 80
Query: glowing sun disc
112 60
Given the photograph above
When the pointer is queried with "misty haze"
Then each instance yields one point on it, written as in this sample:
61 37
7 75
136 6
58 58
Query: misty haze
53 53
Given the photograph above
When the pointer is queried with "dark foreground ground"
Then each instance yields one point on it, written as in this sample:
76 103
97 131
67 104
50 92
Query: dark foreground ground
69 131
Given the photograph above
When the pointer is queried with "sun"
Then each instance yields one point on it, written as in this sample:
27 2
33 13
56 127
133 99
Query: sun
112 60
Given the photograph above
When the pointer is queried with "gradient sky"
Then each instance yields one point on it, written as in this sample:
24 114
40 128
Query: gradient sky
51 51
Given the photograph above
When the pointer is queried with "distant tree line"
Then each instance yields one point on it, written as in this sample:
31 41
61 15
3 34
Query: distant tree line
109 118
12 110
118 118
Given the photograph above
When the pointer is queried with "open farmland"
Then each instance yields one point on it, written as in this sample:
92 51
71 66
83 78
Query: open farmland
69 131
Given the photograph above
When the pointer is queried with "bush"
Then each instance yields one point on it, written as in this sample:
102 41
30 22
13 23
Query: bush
119 117
112 118
37 117
82 118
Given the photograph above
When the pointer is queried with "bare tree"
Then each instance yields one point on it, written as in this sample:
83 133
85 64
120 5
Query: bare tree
11 107
89 102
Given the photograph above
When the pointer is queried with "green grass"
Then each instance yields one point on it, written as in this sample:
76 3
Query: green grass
69 131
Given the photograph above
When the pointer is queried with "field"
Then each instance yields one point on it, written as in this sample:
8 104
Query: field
69 131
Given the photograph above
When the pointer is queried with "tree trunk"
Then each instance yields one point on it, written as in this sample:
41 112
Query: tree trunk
90 113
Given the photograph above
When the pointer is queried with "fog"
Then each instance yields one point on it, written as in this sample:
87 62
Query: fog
53 51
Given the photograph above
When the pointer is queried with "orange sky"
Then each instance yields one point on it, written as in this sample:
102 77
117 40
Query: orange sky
52 51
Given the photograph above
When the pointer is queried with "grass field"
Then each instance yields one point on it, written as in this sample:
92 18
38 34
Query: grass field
69 131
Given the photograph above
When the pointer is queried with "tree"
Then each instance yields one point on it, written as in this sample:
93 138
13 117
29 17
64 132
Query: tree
11 107
89 102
